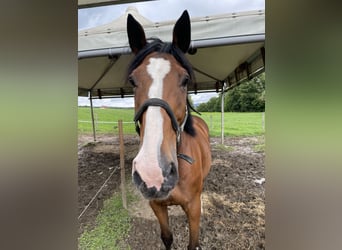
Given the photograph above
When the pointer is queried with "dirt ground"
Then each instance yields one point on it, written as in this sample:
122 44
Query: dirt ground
233 198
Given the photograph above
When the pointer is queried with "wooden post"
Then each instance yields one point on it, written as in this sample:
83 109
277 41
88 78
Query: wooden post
122 165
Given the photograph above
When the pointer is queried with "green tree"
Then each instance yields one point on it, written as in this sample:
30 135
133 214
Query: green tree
232 100
203 107
247 97
212 104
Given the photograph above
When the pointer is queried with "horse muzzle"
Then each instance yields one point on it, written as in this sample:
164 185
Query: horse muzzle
155 182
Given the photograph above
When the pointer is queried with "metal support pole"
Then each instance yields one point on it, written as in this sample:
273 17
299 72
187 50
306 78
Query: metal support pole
222 113
92 115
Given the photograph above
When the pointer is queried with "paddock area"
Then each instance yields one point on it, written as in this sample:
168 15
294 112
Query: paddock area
233 198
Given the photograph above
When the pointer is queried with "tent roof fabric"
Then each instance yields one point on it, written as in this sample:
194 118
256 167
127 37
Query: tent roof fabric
227 48
97 3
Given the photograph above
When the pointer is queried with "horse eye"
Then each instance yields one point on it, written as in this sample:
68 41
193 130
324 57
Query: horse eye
185 81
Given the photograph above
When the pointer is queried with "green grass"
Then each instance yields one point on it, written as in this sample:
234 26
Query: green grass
259 148
235 124
112 226
109 116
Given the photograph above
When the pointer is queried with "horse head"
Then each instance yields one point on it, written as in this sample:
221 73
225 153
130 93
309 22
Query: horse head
160 74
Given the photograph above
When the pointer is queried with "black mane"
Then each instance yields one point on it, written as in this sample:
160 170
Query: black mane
156 45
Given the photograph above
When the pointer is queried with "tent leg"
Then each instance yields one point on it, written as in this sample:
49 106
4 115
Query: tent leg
92 116
222 116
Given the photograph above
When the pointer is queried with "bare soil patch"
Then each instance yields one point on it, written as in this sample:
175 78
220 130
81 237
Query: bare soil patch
233 200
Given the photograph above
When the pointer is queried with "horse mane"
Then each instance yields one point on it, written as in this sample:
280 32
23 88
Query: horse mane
189 126
156 45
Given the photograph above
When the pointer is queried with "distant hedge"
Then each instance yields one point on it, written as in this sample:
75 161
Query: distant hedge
247 97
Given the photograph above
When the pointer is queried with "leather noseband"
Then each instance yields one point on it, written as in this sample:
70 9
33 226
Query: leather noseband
157 102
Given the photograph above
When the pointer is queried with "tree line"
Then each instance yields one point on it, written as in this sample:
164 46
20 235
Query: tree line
247 97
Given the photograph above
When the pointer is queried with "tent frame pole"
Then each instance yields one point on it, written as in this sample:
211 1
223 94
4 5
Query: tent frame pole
222 113
92 115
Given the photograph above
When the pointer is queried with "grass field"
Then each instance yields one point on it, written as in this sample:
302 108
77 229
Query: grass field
106 120
235 124
112 225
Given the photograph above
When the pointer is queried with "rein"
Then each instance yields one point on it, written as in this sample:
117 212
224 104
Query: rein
156 102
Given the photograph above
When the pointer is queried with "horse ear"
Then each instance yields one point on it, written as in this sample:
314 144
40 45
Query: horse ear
136 34
182 32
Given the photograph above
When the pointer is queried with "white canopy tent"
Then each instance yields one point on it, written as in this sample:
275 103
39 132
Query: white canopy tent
225 50
97 3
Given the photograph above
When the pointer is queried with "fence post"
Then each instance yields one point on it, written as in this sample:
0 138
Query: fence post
122 165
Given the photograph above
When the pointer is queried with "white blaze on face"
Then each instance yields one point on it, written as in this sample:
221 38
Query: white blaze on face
146 162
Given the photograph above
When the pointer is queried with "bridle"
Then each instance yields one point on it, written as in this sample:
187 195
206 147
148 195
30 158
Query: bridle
157 102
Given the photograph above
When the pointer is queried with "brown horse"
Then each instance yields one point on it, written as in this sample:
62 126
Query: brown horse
174 156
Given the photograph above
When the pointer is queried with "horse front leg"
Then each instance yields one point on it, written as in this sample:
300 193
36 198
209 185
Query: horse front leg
162 214
193 212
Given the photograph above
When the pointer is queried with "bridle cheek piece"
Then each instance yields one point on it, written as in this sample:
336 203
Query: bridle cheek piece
157 102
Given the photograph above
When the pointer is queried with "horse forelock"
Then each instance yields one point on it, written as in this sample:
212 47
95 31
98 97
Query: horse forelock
156 45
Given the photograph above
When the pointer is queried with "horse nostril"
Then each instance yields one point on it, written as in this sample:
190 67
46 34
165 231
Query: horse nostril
171 178
136 178
173 172
173 169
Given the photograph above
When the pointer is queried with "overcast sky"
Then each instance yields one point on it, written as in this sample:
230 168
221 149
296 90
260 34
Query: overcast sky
160 11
